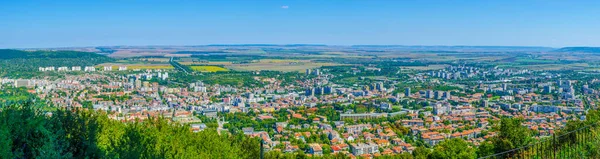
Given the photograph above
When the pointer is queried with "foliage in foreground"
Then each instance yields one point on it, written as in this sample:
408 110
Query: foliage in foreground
28 133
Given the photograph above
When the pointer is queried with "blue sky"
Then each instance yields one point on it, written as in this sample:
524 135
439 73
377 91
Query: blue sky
65 23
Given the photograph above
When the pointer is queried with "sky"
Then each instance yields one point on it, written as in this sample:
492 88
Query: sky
76 23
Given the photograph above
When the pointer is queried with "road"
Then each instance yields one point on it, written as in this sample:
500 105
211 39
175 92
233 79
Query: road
177 65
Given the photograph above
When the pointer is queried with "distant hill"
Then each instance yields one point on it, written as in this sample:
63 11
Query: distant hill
427 48
266 45
106 50
579 49
201 52
25 64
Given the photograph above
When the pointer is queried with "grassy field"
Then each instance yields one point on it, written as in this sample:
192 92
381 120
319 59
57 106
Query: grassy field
149 67
536 61
208 68
593 68
285 67
425 68
550 67
281 61
155 59
137 66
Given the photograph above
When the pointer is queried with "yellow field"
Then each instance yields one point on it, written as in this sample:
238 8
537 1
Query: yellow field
205 63
208 68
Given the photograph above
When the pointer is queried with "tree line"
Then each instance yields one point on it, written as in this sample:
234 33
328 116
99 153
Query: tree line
11 54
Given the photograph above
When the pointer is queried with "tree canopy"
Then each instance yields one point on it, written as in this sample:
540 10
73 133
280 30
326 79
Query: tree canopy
455 148
27 132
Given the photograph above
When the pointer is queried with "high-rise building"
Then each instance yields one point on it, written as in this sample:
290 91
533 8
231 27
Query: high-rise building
327 90
22 83
559 83
439 109
132 80
319 90
316 72
572 90
484 103
89 69
441 95
447 95
547 89
165 76
310 91
429 94
379 86
407 92
138 83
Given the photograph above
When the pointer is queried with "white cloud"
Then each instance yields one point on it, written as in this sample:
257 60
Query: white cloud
285 7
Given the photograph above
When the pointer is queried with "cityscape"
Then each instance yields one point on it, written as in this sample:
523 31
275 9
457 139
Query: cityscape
165 94
359 101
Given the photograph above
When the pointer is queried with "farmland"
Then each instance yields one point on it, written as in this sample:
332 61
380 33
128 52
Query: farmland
285 67
138 66
208 68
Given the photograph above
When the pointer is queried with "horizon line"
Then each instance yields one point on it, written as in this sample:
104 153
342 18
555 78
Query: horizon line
292 44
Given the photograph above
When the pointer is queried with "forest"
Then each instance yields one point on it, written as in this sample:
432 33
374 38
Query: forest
12 54
25 64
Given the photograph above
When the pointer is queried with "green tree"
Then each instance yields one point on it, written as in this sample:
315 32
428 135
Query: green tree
512 135
455 148
421 152
5 143
326 149
30 138
28 132
486 148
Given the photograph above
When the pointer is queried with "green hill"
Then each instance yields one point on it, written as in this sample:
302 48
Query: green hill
579 49
11 54
25 64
